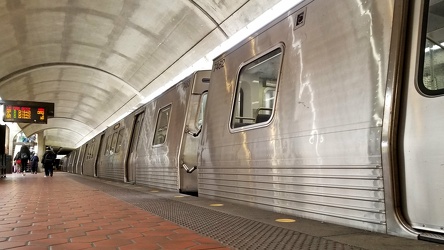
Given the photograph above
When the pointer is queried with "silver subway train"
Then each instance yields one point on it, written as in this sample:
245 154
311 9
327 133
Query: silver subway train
330 112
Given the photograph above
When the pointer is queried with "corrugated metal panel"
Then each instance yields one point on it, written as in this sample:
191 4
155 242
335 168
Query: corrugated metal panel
157 165
320 157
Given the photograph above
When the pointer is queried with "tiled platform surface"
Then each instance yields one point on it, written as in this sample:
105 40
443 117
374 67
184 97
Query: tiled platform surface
69 211
58 213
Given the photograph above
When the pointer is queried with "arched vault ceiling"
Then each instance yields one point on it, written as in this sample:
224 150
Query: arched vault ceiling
96 59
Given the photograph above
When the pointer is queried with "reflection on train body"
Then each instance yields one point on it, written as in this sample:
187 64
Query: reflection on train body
330 112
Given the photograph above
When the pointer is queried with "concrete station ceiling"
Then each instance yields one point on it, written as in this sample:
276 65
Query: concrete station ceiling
97 59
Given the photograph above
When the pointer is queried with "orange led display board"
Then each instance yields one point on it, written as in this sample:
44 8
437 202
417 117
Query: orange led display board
27 112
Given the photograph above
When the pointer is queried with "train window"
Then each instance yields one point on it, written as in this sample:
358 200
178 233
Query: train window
93 149
239 105
136 132
201 110
113 143
163 119
432 82
269 94
108 144
119 140
255 96
88 151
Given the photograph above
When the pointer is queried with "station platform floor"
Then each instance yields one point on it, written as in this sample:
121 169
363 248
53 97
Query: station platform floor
70 211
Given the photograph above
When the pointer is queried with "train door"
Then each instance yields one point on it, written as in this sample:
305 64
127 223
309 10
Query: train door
76 160
422 120
99 155
84 156
130 166
191 139
71 161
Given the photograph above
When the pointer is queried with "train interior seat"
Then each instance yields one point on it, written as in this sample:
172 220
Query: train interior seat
262 118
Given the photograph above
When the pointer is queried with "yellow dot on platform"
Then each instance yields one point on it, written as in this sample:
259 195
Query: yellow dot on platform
216 205
154 191
179 196
285 220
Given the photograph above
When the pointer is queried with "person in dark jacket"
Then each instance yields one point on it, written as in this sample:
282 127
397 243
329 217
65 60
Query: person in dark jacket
25 155
17 163
34 163
48 161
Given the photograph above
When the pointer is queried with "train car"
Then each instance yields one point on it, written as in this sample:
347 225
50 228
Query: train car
79 161
64 163
108 162
328 113
163 148
90 157
73 161
332 112
155 145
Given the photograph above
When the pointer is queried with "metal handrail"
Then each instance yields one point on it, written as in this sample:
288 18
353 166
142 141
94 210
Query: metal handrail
189 170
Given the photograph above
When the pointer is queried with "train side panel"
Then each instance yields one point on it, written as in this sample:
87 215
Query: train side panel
91 156
73 157
79 161
83 165
188 161
65 161
110 164
319 154
160 139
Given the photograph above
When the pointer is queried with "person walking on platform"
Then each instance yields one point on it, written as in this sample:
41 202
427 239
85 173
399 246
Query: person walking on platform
17 163
48 161
34 163
25 155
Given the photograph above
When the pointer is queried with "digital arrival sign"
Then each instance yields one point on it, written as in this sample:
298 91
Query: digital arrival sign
27 112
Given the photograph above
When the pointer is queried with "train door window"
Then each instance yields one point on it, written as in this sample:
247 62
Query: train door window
119 140
108 144
93 148
255 95
85 154
163 119
113 143
431 79
136 132
201 110
88 152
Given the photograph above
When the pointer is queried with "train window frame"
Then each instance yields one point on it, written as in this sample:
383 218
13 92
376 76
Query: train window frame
239 93
425 48
161 111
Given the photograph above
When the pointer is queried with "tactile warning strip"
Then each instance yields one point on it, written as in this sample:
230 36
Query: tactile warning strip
233 231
